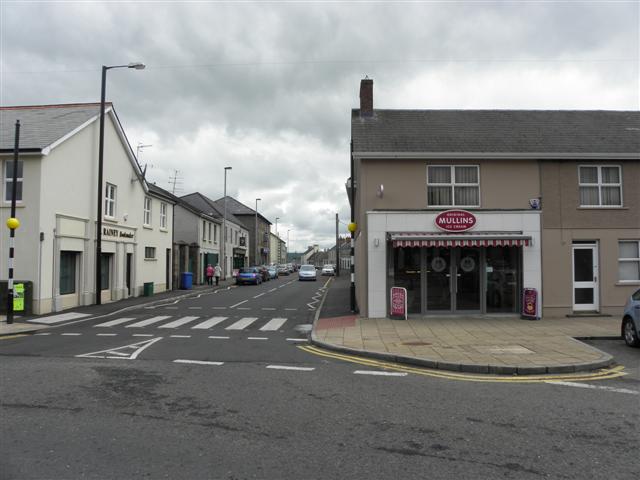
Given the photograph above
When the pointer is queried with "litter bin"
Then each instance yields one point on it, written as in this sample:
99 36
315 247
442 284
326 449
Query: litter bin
148 289
187 281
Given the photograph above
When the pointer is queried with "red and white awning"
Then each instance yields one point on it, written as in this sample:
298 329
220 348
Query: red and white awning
444 240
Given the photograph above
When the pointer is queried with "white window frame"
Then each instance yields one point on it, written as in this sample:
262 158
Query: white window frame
629 260
215 233
151 250
599 184
453 185
146 219
8 179
110 200
163 215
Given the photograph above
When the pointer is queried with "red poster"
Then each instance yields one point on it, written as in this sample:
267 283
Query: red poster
399 302
530 303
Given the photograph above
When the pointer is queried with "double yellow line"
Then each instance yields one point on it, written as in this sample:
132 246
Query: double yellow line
601 374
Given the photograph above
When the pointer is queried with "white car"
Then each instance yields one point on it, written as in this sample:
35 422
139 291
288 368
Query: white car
328 270
307 272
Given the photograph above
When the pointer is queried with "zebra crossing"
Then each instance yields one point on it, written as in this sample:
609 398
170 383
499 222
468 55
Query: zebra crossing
196 323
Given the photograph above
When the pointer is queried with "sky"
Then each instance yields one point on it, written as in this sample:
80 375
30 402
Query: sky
268 87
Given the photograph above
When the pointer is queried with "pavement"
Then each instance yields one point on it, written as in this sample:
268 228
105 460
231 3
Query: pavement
501 345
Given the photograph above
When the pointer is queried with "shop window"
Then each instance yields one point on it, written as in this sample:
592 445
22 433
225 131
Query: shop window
163 215
600 186
110 200
8 180
147 211
105 271
629 260
149 253
453 185
68 272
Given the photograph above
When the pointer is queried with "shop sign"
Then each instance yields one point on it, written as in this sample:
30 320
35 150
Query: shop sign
114 232
530 303
399 302
455 220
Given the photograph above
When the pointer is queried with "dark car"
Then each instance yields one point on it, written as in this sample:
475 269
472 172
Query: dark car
631 320
264 271
249 275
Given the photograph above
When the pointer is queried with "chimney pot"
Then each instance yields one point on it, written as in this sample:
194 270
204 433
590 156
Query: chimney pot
366 97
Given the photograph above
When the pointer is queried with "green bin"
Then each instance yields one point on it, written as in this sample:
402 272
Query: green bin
148 289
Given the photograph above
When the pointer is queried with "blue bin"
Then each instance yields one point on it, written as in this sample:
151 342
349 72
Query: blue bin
187 281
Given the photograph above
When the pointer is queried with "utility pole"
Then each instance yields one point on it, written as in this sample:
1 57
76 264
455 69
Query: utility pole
13 224
337 249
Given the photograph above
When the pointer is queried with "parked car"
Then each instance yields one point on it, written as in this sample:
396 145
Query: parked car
307 272
249 275
631 321
264 271
283 270
328 270
273 272
290 267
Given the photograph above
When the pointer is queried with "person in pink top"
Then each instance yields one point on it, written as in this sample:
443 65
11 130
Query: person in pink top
209 273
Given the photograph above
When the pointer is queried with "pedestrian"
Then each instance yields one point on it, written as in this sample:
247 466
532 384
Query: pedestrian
210 271
218 272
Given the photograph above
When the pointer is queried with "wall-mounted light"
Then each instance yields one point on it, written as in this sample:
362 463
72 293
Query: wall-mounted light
125 217
380 191
376 242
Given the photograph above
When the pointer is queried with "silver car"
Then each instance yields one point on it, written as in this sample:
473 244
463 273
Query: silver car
307 272
631 321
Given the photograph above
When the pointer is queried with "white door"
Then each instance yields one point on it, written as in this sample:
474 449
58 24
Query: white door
585 277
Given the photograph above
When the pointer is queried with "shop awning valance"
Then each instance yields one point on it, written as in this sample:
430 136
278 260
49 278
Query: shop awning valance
459 240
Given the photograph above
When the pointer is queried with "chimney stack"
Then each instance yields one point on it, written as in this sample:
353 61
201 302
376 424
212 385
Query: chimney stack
366 97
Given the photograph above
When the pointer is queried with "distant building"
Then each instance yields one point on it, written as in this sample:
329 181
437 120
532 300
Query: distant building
277 250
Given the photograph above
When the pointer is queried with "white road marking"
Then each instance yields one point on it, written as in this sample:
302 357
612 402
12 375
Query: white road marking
195 308
71 334
257 338
212 322
142 335
136 348
117 321
291 309
60 318
106 334
594 387
197 362
171 308
285 367
45 333
242 323
375 372
267 308
273 324
296 339
243 308
258 296
244 301
219 308
180 336
179 322
272 290
219 338
149 321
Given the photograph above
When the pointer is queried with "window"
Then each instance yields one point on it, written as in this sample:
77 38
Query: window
105 271
236 238
149 253
600 186
629 260
68 272
204 230
215 234
163 215
226 234
8 180
147 211
453 185
209 226
110 201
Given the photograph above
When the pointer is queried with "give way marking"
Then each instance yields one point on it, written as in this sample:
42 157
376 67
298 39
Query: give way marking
127 352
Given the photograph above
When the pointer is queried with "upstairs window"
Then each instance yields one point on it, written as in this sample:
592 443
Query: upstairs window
8 180
204 230
209 227
147 211
163 215
600 186
453 186
110 200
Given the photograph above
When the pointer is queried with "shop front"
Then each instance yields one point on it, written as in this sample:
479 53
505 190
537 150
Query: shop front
481 267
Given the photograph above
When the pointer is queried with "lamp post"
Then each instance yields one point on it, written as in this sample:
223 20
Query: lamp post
137 66
223 234
278 239
256 258
288 246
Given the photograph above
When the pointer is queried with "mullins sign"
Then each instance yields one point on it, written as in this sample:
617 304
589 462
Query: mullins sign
455 221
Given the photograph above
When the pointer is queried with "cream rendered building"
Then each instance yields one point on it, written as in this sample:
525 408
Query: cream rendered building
55 245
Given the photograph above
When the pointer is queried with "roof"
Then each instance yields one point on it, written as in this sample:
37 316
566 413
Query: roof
161 192
497 131
205 205
237 208
43 125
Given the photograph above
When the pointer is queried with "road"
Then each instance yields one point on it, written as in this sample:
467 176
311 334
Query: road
239 397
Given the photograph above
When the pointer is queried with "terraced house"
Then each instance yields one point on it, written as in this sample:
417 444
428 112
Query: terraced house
495 211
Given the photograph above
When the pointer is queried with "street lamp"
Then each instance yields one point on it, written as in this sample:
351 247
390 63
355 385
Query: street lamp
137 66
288 246
278 239
223 234
256 258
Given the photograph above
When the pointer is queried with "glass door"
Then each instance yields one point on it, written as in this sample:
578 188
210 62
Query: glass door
467 279
585 277
407 274
438 279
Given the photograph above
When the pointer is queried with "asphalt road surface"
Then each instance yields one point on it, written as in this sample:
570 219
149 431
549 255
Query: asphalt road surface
222 387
